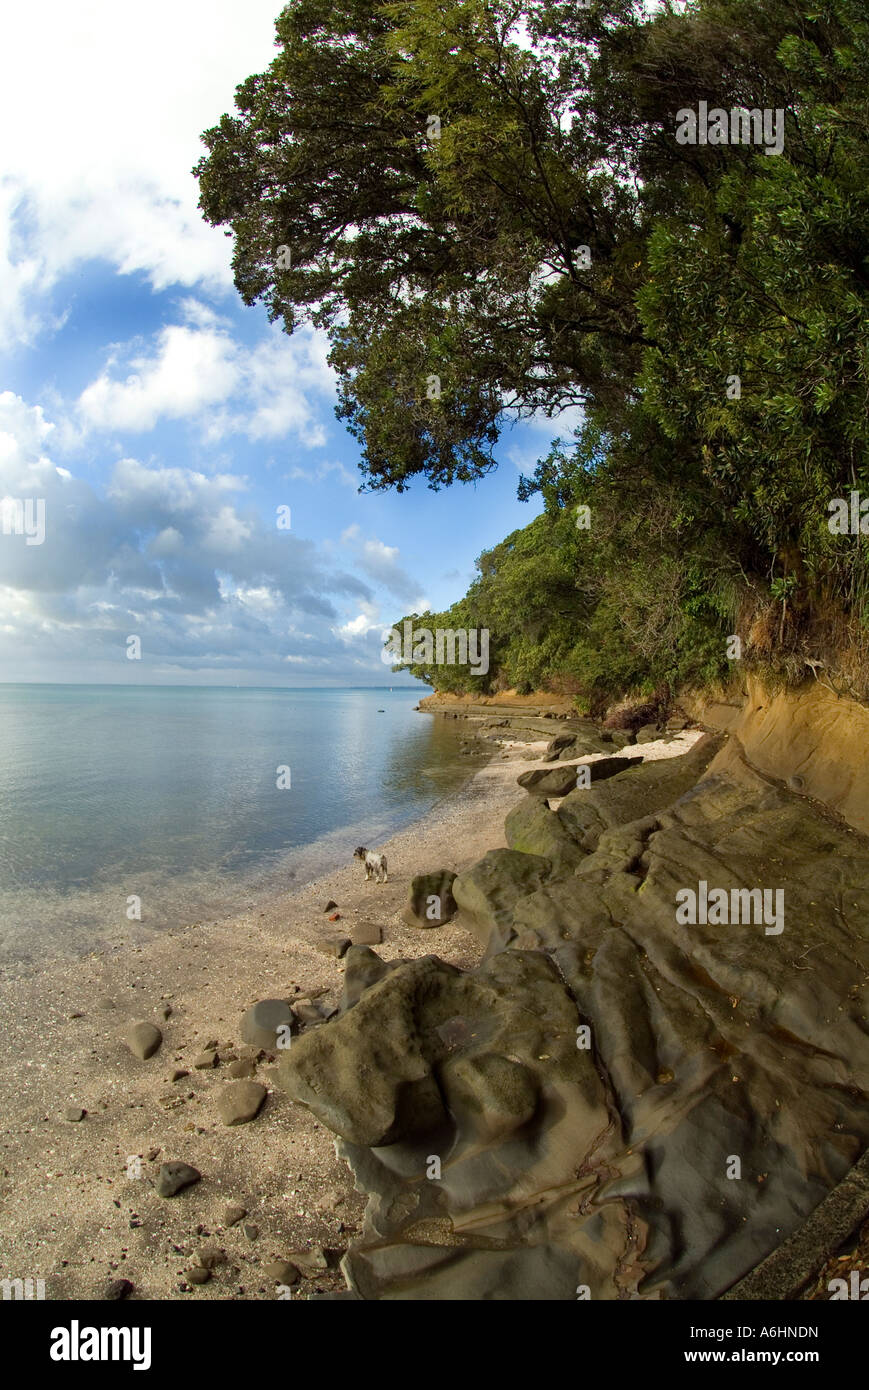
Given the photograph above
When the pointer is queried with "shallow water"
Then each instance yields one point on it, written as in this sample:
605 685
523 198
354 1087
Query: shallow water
170 795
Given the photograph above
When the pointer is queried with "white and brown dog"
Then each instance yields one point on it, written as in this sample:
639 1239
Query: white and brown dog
374 864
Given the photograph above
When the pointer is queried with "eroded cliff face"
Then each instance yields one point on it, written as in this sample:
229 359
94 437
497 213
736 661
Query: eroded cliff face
812 740
620 1102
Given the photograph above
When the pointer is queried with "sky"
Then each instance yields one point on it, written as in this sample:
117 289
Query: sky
161 422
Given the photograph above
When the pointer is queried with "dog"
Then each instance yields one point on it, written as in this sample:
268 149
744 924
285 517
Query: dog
374 863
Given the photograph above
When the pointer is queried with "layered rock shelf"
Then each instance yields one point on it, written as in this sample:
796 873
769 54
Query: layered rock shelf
618 1103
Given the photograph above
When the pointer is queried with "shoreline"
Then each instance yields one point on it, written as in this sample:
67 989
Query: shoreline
69 1212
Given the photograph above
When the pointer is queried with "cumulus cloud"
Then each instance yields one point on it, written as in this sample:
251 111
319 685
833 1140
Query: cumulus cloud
109 178
170 554
196 371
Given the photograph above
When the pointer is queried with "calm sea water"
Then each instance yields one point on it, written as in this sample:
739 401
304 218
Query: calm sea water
170 795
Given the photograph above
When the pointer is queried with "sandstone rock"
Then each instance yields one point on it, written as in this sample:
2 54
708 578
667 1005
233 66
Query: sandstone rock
143 1039
560 781
488 892
420 910
118 1289
335 946
233 1215
532 828
281 1272
242 1070
240 1102
260 1024
175 1176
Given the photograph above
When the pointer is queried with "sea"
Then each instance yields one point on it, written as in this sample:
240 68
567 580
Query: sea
126 810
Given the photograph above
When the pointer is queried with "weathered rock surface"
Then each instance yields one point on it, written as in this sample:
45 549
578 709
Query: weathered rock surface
240 1102
143 1039
559 781
431 901
570 1112
488 892
532 828
175 1176
261 1023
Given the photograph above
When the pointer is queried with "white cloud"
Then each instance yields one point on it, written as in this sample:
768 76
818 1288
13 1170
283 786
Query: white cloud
175 556
197 371
107 102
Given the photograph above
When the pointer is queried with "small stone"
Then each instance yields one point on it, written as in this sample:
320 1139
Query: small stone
242 1069
74 1113
330 906
306 1012
209 1256
205 1061
211 1046
252 1232
260 1024
152 1154
334 916
240 1102
336 946
117 1289
233 1215
76 1015
178 1074
165 1011
330 1200
172 1177
310 1261
282 1271
198 1275
143 1039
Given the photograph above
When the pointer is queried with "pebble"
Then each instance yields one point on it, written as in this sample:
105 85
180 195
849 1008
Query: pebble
240 1102
282 1271
74 1114
205 1061
336 946
172 1177
233 1215
209 1256
252 1232
198 1275
118 1288
143 1039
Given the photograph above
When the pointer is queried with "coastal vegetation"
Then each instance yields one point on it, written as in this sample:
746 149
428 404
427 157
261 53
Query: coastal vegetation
494 211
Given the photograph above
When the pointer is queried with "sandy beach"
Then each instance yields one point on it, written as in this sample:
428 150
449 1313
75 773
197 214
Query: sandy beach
69 1212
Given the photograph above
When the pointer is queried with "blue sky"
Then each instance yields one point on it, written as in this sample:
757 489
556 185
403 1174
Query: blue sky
162 421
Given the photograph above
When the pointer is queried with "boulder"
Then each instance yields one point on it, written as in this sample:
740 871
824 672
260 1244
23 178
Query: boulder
546 782
532 828
488 892
431 902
